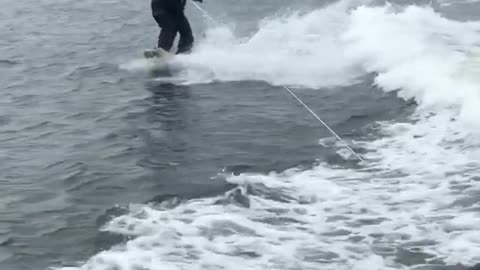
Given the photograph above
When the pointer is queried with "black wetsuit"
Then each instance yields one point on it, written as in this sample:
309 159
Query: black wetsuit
170 16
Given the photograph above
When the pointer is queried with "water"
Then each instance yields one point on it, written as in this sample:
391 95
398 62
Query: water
105 166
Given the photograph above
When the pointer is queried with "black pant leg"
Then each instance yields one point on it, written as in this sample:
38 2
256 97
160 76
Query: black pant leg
186 36
169 26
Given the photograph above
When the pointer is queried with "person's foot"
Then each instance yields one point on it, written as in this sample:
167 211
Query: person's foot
184 50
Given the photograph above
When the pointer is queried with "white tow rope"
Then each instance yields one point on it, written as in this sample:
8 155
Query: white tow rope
205 13
324 124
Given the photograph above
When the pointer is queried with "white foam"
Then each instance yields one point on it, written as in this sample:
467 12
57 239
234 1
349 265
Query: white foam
417 194
416 51
299 49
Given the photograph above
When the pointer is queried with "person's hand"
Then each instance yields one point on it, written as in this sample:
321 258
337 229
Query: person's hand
198 1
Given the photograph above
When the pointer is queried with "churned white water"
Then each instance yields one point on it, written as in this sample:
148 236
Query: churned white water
418 195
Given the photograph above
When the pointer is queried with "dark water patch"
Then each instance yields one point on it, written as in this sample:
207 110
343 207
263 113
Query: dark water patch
356 238
74 179
8 63
340 232
316 255
4 120
83 115
247 254
96 184
26 100
44 125
440 266
336 218
6 241
367 222
226 228
278 211
420 243
468 200
67 165
384 249
411 257
282 221
40 197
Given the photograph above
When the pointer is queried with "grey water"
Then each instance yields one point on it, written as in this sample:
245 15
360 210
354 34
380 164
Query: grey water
80 136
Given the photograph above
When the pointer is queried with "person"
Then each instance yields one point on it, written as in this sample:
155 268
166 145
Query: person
170 17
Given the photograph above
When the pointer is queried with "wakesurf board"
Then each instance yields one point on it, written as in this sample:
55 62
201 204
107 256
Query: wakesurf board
158 60
158 54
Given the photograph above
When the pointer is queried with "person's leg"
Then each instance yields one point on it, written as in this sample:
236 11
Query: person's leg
169 24
186 36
